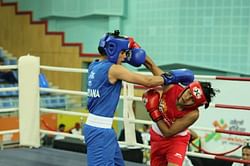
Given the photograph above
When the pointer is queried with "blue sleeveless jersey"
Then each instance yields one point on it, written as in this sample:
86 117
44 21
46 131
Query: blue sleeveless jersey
103 96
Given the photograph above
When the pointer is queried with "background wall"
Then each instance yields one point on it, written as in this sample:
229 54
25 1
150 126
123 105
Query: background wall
204 33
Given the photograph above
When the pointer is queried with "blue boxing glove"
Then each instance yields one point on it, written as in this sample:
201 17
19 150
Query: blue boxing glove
135 57
183 76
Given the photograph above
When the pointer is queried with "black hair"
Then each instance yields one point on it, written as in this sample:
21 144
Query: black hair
209 92
247 146
62 125
101 51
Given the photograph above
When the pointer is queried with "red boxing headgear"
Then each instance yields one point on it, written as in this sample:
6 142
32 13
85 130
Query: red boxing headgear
198 95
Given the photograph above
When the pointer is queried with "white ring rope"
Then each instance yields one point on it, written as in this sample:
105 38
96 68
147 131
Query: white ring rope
72 92
2 67
62 134
8 110
64 69
9 89
136 144
203 77
9 131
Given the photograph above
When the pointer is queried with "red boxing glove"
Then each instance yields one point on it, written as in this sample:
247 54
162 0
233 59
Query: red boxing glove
132 43
151 99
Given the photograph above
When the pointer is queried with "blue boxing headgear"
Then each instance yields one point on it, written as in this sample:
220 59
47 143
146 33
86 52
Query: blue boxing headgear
111 44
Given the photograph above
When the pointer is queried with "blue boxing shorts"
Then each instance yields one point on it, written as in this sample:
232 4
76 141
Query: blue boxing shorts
102 147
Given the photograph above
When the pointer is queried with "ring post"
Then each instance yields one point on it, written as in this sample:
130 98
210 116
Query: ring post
29 100
128 114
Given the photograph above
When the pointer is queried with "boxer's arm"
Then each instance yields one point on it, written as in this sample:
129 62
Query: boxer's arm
184 76
119 72
151 66
179 125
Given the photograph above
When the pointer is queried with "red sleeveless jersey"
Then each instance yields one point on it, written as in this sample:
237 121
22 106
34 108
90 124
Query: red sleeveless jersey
168 104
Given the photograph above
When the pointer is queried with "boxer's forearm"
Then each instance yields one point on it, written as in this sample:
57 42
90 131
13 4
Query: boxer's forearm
151 66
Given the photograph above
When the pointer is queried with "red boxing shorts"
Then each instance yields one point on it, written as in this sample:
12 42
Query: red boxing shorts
168 150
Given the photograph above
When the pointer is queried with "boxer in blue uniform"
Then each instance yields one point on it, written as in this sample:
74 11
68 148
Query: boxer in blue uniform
105 78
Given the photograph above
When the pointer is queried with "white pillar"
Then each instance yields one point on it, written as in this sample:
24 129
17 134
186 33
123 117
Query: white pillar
29 100
128 114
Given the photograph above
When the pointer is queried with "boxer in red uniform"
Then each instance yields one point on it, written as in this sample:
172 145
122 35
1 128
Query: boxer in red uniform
173 112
